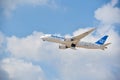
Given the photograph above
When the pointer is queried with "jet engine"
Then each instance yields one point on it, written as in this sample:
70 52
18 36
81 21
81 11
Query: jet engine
63 47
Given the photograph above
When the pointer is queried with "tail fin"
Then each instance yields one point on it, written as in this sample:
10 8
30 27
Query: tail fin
102 40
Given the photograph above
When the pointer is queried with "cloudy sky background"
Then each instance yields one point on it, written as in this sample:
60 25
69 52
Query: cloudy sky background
24 56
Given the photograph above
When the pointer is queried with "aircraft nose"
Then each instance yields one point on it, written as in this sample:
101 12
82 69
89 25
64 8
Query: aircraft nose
43 38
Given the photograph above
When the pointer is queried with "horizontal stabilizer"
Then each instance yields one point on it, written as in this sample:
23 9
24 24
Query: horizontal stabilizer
105 46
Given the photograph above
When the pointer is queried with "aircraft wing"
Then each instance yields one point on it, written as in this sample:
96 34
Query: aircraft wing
76 39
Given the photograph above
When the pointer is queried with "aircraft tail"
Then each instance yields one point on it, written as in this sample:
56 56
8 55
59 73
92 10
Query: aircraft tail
102 40
105 46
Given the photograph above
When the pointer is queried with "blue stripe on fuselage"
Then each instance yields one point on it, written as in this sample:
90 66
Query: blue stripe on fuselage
57 37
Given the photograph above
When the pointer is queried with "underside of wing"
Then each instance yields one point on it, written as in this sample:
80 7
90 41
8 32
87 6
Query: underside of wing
77 38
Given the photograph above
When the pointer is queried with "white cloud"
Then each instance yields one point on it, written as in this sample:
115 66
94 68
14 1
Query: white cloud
21 70
81 64
86 69
92 64
27 47
30 47
108 14
114 2
9 5
70 64
3 74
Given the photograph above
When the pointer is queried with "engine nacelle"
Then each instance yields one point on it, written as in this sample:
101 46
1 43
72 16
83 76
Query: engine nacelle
63 47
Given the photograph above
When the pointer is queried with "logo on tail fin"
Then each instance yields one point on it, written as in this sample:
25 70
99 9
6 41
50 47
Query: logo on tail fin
102 40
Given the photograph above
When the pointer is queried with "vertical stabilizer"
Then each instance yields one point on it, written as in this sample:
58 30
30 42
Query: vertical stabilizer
102 40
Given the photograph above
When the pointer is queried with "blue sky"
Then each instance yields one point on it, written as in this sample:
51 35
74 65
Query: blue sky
65 17
24 56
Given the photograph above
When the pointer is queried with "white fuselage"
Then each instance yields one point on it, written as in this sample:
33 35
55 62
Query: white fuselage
68 43
88 45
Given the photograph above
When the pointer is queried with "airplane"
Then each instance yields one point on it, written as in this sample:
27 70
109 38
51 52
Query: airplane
75 41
